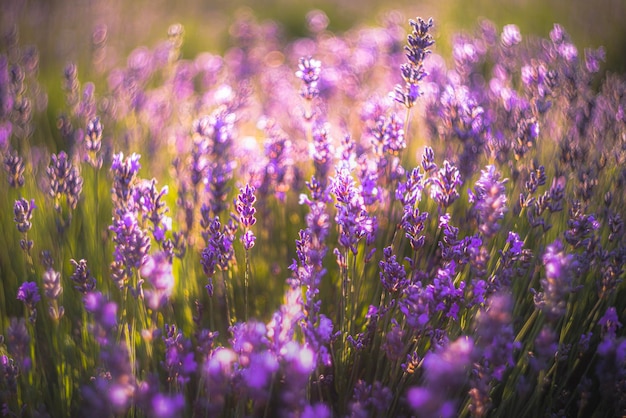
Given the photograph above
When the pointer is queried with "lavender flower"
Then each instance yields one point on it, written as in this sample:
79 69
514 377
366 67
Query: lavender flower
445 372
84 281
18 343
157 270
309 73
559 280
495 349
489 201
443 185
23 211
14 165
93 141
105 316
28 293
179 357
417 48
124 173
245 208
65 180
351 216
132 244
52 286
392 274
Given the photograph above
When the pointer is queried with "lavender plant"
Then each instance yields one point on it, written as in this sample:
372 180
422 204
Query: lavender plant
308 251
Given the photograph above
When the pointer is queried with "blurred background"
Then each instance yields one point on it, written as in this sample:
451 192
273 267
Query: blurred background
63 30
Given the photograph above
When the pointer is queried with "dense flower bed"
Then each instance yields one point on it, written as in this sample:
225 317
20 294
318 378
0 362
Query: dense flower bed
339 225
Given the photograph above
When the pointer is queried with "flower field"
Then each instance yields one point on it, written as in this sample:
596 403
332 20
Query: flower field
341 224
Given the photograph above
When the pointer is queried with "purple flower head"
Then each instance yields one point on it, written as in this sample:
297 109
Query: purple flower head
245 206
558 282
218 128
417 48
389 135
17 342
219 247
318 410
84 281
322 153
392 274
445 372
610 323
496 336
167 406
309 72
428 160
14 165
157 270
179 356
489 201
132 243
23 211
28 293
510 36
105 316
65 180
124 173
443 184
352 216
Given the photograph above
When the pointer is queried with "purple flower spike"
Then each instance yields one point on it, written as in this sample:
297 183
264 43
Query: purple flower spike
157 269
29 294
489 201
443 185
558 282
23 211
417 48
245 207
309 73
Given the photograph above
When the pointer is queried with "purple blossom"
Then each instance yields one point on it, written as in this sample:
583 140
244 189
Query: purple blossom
18 343
510 36
29 294
23 211
149 202
389 135
124 173
417 48
14 165
179 356
309 72
218 251
131 242
352 217
82 278
392 274
443 185
218 128
558 281
65 180
445 372
245 208
157 270
105 316
489 201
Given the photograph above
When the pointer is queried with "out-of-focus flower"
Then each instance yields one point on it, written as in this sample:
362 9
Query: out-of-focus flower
157 270
489 200
309 72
